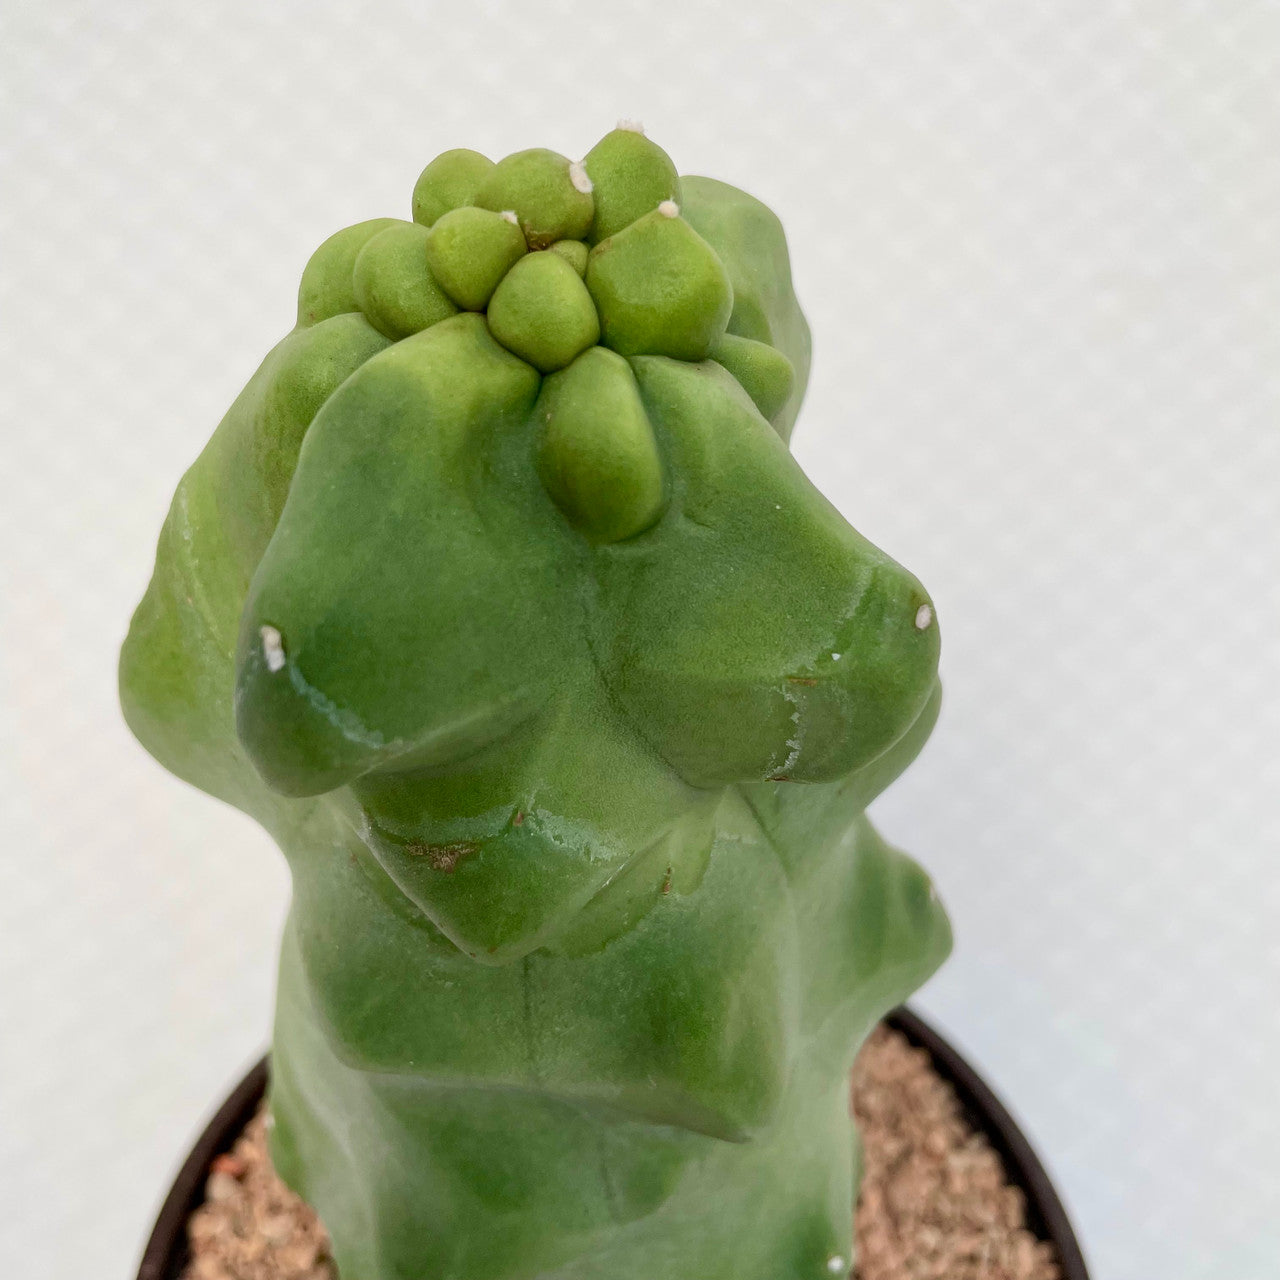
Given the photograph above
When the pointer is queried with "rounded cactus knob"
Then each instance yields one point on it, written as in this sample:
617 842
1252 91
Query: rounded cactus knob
551 196
469 250
498 598
574 252
328 282
393 284
449 182
598 457
543 313
766 375
660 287
630 176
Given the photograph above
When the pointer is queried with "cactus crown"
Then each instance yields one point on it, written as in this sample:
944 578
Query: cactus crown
562 257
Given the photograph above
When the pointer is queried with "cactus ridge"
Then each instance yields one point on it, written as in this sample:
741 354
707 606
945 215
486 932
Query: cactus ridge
499 599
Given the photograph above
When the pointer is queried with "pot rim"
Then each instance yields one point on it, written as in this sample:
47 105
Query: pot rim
166 1249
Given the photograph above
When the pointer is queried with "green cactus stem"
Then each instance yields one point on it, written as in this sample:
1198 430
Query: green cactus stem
499 600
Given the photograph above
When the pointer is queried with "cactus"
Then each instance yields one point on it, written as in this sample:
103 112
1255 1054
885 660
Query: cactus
499 600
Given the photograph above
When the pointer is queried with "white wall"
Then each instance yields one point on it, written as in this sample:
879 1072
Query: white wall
1038 245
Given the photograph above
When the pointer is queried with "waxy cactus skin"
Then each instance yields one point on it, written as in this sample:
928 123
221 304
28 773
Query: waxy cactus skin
499 600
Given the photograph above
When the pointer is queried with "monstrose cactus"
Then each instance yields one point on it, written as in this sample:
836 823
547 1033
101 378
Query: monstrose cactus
499 600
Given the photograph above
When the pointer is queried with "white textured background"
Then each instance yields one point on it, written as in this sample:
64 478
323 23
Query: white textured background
1039 244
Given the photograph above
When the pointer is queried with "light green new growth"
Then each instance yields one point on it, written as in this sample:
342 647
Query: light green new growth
469 251
449 182
599 457
550 196
394 286
543 313
660 287
574 252
499 600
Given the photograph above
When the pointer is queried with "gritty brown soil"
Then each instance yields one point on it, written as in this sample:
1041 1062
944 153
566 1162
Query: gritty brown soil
935 1203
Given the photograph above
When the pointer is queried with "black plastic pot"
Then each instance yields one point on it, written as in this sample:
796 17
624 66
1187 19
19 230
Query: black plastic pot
166 1251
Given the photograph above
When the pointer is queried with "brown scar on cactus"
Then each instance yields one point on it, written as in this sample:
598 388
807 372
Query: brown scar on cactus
444 857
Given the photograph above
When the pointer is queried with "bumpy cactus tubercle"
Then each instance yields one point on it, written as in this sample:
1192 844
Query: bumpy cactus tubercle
500 600
469 251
